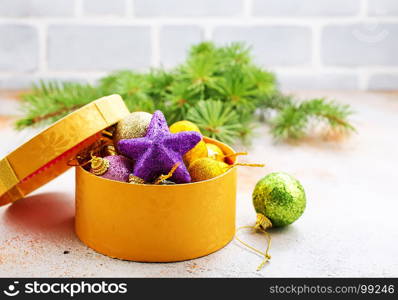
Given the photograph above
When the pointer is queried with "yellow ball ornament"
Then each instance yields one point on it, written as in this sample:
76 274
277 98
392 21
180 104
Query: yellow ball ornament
183 126
206 168
200 150
215 152
195 153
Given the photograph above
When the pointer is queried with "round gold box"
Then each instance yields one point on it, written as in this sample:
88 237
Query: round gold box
156 223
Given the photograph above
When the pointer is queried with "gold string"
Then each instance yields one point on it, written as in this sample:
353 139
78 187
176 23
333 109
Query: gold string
167 176
107 133
246 165
235 154
262 223
111 150
97 147
93 157
71 161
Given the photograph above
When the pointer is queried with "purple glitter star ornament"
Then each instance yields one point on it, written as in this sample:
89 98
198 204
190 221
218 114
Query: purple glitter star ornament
157 152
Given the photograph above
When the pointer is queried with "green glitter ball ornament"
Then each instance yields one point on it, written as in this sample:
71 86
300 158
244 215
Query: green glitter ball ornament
279 197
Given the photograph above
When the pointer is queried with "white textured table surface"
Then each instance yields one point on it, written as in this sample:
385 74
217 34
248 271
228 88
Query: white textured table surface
350 226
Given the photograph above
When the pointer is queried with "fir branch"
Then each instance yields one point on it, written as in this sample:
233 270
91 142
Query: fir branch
219 88
50 101
293 120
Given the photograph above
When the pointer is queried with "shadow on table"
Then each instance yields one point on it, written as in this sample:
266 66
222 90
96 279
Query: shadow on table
47 214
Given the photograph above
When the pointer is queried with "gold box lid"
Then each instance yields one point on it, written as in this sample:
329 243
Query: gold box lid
46 155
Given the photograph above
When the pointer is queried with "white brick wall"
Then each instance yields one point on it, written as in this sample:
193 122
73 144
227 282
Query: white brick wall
310 44
98 47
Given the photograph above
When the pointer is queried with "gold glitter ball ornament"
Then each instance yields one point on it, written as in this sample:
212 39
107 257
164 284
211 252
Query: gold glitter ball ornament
133 126
215 152
200 150
206 168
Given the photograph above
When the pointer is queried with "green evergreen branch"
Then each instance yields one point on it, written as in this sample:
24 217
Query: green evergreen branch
50 101
219 88
293 119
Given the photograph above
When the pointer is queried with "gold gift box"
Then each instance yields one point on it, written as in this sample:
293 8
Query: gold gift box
152 223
